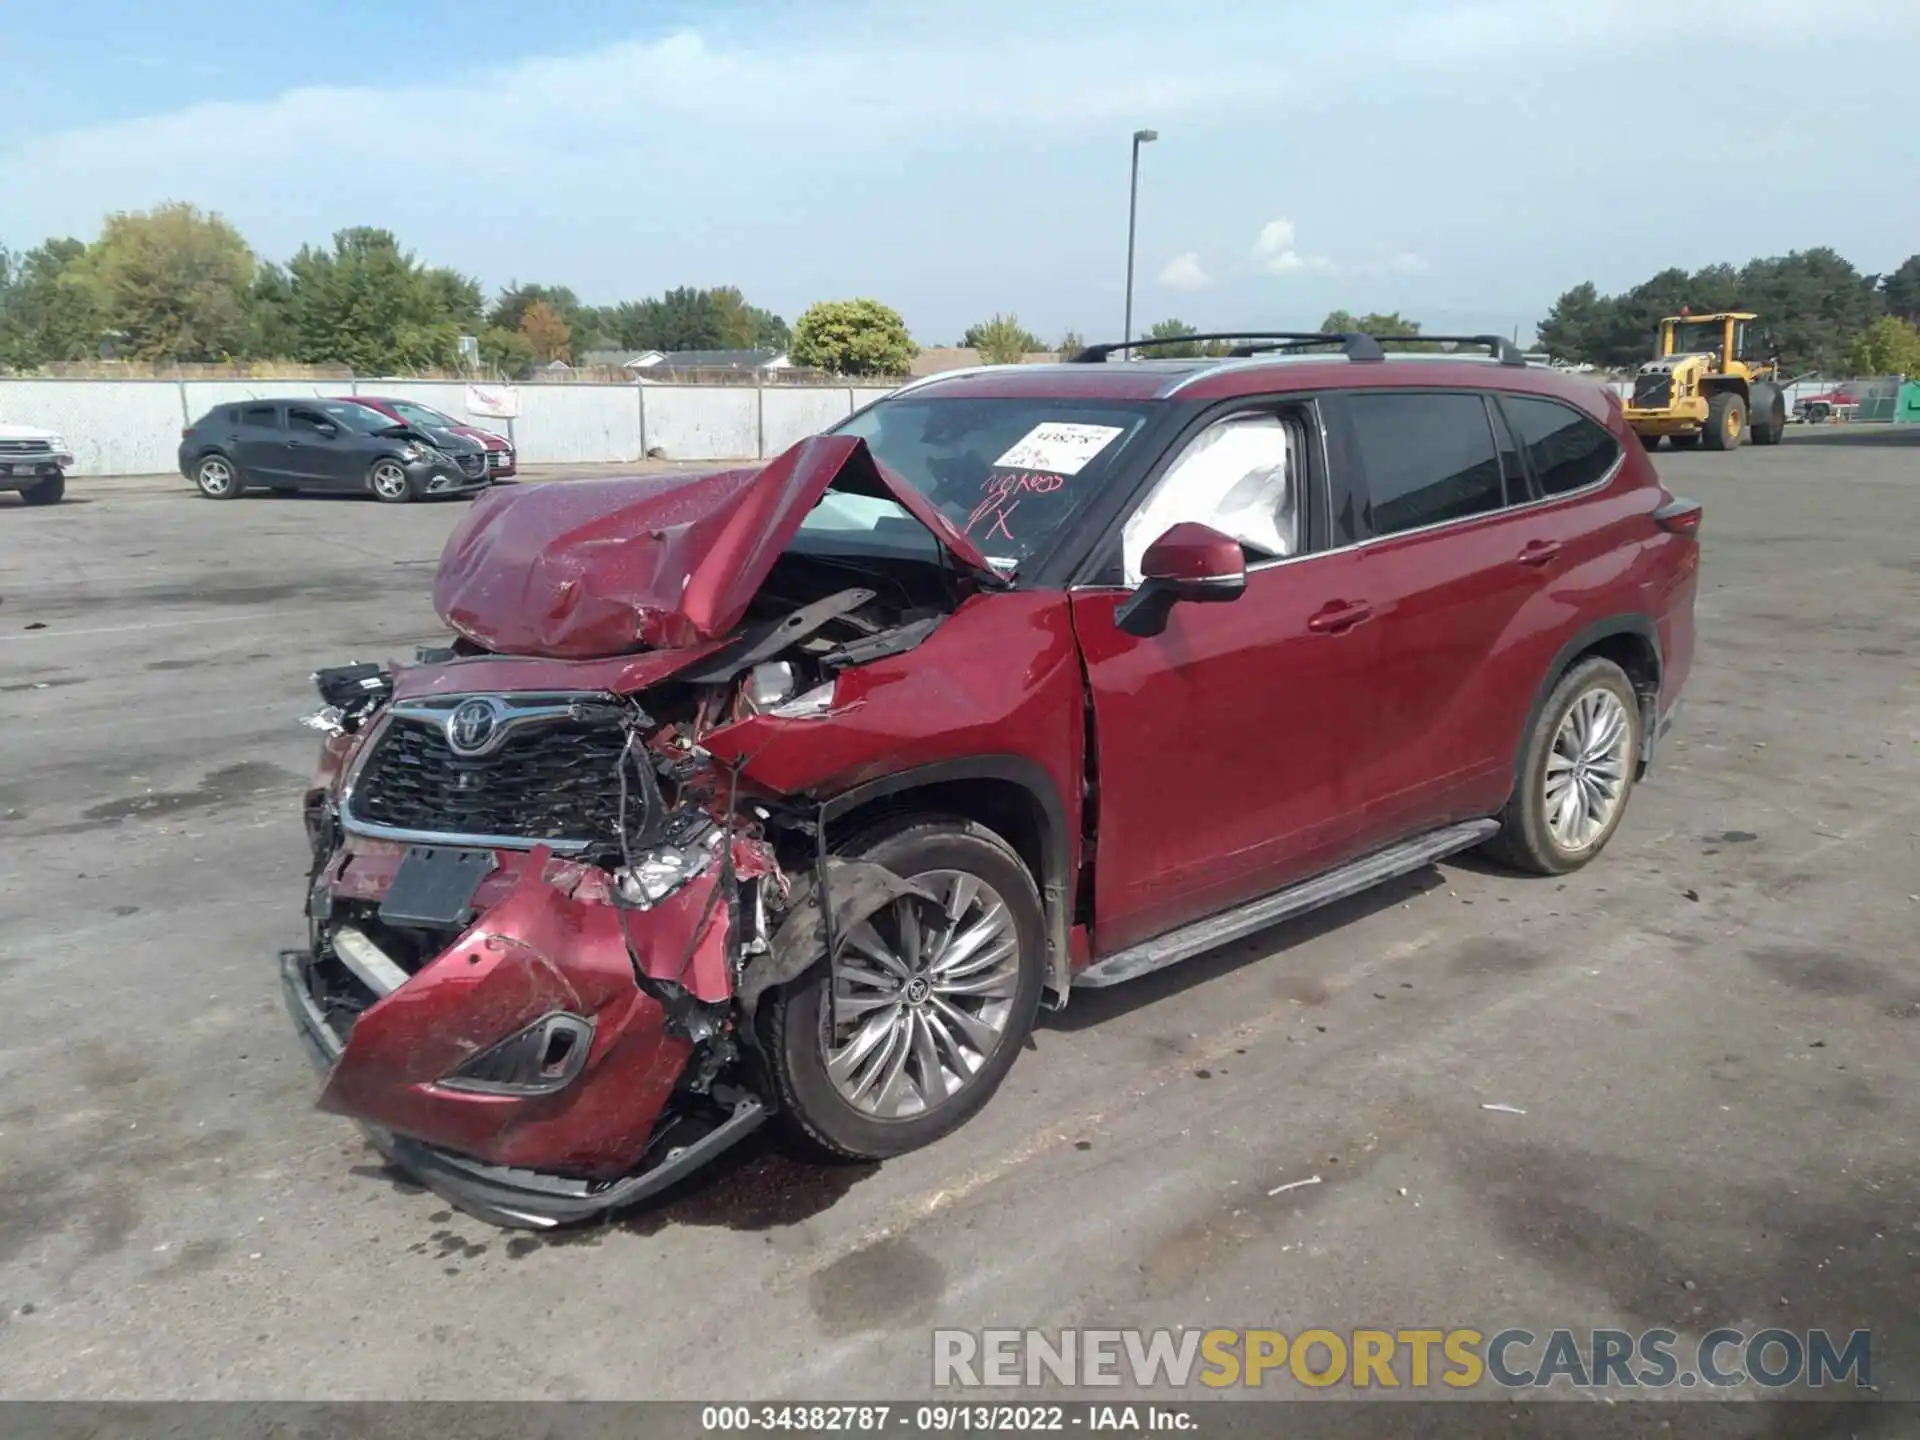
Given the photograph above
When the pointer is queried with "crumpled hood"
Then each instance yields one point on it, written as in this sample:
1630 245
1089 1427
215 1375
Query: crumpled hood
589 568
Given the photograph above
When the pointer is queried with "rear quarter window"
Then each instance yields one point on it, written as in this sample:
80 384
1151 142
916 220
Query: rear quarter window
1427 457
1567 450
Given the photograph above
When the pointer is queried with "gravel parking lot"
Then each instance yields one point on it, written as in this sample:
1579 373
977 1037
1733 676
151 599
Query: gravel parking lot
1714 1033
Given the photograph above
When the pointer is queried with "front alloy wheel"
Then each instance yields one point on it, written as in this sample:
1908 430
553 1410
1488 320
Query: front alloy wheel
921 997
919 1015
389 482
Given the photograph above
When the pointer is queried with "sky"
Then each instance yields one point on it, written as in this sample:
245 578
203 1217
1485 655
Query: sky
1461 161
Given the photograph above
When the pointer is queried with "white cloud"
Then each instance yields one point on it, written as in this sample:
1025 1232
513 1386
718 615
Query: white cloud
1274 251
1185 272
1407 263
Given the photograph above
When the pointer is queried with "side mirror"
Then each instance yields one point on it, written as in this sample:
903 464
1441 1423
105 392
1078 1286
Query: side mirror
1190 562
328 432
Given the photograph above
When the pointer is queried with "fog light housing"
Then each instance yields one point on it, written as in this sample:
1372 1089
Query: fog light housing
546 1056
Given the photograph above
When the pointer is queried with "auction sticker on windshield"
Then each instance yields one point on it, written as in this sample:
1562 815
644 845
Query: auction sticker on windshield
1058 448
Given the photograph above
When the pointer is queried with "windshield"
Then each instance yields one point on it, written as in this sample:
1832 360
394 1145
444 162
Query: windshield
421 414
359 418
1006 472
1699 337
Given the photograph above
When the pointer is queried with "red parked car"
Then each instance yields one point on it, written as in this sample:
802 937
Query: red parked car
500 457
798 790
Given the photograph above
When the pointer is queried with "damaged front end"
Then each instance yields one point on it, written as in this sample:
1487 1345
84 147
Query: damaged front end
542 908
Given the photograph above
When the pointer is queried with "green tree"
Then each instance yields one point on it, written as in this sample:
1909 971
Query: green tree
1900 291
853 337
1889 346
368 304
506 351
170 284
44 317
1172 330
268 309
1003 340
1069 345
746 327
1391 322
1576 327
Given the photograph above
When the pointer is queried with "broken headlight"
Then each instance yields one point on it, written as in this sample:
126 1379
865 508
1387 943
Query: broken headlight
543 1058
658 872
769 689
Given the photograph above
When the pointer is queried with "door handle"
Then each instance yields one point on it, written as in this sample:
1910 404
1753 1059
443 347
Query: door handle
1338 615
1540 552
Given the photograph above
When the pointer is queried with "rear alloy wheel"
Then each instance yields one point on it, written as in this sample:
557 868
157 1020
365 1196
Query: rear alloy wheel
1726 421
217 478
1575 774
388 481
46 491
924 1008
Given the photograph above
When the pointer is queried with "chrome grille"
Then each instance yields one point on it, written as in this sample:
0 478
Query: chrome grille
473 466
25 447
555 780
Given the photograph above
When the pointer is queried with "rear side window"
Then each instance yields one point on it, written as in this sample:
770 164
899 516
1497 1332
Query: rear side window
1567 450
1428 458
262 415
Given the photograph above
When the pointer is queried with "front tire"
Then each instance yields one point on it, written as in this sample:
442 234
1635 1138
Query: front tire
1770 419
930 1006
1575 774
218 478
1726 421
45 492
388 481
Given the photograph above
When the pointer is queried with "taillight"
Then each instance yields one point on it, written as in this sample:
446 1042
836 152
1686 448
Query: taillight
185 431
1679 517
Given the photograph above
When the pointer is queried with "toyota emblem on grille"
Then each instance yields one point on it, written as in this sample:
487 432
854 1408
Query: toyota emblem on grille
473 726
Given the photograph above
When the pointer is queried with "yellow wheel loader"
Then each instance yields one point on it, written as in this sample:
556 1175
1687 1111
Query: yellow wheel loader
1712 378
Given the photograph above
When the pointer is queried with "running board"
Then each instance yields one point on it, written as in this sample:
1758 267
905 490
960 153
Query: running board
1350 879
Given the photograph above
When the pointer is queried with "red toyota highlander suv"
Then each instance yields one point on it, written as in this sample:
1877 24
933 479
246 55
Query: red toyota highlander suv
799 789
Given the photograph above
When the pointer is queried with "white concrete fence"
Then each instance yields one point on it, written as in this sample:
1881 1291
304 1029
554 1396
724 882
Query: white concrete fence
132 427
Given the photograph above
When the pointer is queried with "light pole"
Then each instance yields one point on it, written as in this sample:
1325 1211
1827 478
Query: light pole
1140 137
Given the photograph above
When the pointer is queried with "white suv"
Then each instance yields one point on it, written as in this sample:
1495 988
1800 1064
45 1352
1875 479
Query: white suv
34 462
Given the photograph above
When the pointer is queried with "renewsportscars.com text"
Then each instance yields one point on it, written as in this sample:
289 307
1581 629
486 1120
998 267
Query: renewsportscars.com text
1459 1358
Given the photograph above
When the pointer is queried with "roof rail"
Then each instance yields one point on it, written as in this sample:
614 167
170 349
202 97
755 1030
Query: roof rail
1497 346
1356 346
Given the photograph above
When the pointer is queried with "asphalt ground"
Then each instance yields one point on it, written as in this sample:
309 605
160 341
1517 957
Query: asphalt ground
1713 1033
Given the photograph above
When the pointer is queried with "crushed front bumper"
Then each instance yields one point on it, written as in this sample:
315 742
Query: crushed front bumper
505 1195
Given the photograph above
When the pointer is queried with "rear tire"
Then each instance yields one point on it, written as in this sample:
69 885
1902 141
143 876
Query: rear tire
218 478
1726 421
388 481
45 492
1769 419
929 1067
1575 773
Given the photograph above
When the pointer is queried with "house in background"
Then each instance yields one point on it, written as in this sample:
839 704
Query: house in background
937 359
663 364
